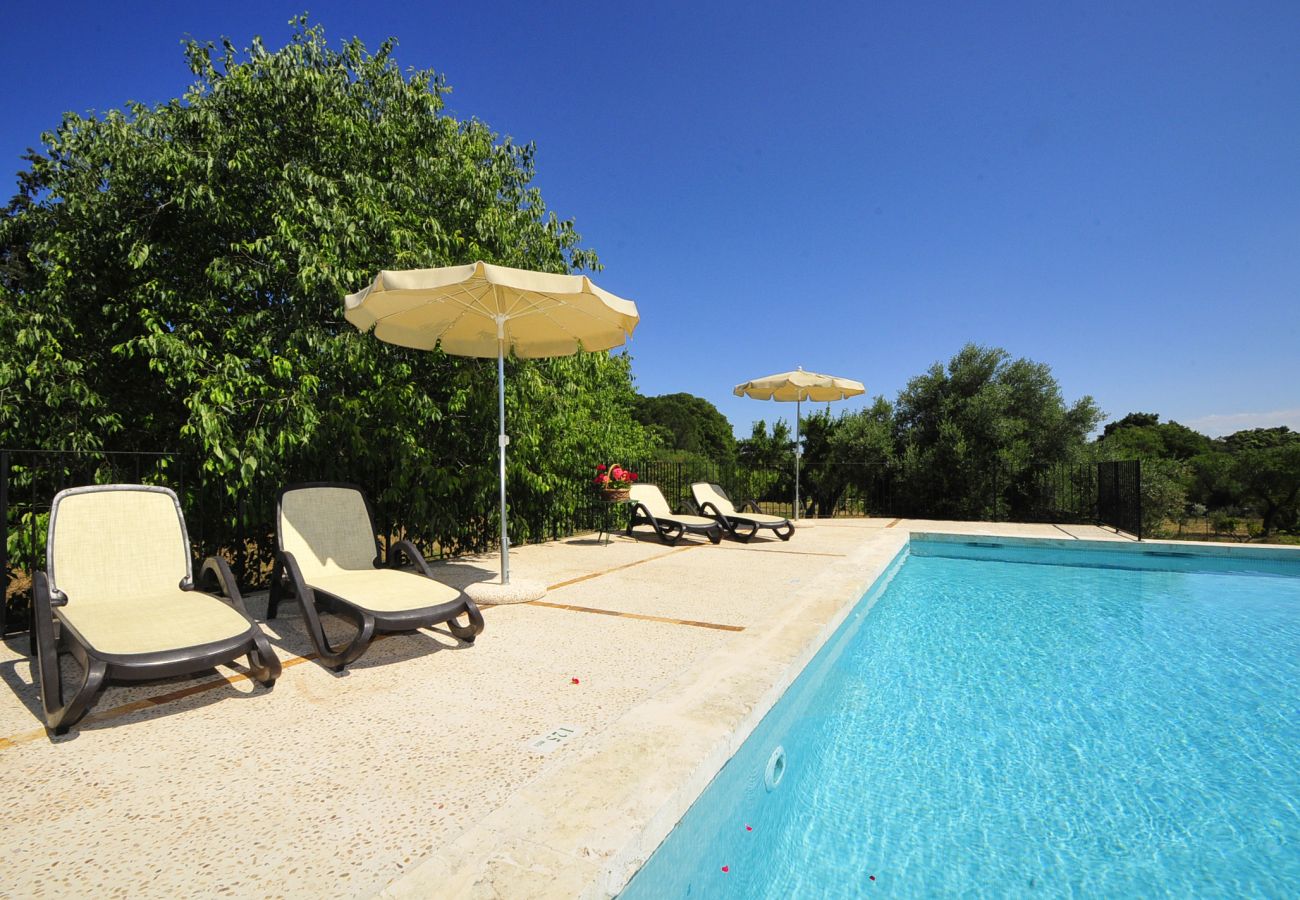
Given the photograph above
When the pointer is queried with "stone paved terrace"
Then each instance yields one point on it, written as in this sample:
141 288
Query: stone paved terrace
412 774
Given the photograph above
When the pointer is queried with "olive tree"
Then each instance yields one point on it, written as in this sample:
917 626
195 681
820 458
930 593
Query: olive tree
977 432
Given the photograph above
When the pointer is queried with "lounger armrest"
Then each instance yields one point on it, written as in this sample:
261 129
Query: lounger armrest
412 553
750 505
215 568
708 509
300 588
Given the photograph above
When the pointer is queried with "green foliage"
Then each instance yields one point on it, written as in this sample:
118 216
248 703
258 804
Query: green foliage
1224 524
1270 477
770 456
684 422
851 454
172 277
1143 436
1132 420
1257 469
1164 495
1260 439
983 417
767 450
1212 480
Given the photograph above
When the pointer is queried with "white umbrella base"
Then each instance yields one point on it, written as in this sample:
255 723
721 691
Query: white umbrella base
494 593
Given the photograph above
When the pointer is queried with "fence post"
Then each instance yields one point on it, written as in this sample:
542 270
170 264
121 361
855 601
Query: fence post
995 490
1137 478
4 544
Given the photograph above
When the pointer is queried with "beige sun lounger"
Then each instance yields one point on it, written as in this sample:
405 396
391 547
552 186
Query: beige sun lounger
328 558
119 585
650 508
713 501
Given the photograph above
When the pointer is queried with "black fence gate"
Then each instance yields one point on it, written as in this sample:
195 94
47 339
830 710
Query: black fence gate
1119 495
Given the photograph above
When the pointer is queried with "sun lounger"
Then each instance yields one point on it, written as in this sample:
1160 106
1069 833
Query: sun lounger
741 524
119 594
328 558
650 508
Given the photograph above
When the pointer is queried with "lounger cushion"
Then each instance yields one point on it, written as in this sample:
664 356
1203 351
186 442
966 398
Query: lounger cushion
707 493
761 518
117 544
384 590
151 623
327 529
649 496
687 519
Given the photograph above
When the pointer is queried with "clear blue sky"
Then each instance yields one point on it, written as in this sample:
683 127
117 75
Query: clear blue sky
856 187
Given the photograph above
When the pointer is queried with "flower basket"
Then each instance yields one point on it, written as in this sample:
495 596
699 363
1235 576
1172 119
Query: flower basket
613 483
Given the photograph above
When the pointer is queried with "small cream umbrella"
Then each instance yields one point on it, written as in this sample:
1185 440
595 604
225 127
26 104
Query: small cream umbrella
799 386
484 311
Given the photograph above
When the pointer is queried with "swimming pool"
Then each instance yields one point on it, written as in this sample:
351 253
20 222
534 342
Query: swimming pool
1003 718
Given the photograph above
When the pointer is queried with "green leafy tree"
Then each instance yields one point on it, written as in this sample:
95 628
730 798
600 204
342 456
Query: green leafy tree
172 277
979 432
690 424
1132 420
1164 493
1144 436
1167 451
766 464
1213 480
767 449
852 454
1260 439
1271 480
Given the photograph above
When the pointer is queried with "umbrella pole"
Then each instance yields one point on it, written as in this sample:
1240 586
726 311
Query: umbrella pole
502 440
798 452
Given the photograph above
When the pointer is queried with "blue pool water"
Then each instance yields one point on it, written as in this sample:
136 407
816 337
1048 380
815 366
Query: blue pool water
1056 725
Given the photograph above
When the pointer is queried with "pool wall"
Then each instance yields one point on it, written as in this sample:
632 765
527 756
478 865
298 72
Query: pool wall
762 665
759 765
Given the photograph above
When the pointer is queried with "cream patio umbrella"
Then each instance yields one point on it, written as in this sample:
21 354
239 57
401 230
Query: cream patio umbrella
489 311
799 386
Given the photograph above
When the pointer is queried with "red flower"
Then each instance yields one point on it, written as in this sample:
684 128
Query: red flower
600 468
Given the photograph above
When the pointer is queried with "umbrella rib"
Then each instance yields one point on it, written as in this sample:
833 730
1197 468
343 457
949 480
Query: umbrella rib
539 307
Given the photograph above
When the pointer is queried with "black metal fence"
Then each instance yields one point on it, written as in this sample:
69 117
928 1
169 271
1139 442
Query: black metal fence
241 526
1119 495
